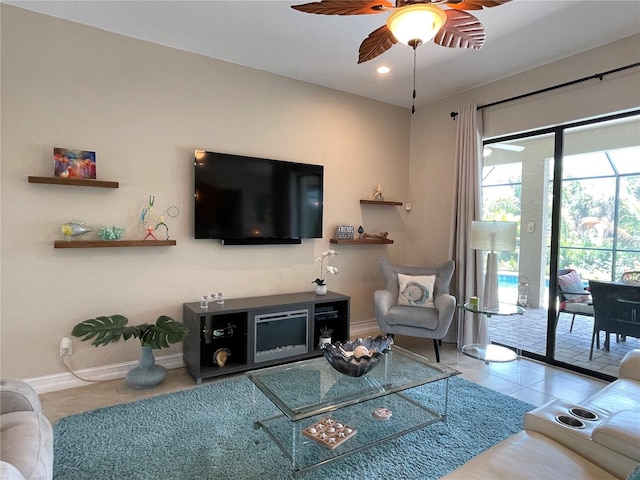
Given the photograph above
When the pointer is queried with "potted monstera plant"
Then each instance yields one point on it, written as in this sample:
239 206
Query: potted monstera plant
107 329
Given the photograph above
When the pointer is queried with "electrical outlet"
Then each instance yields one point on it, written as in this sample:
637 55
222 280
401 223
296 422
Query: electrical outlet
66 347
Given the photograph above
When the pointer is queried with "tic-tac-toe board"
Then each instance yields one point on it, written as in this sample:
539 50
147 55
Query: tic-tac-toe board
329 432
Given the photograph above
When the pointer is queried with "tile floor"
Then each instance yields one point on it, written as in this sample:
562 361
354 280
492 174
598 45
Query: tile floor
524 379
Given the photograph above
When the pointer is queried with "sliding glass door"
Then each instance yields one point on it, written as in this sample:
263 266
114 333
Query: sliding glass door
575 192
599 232
516 179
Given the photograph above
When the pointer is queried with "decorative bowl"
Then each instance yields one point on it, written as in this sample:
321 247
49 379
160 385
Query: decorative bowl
358 357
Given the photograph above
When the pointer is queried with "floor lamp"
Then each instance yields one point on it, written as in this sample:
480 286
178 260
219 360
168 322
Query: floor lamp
492 237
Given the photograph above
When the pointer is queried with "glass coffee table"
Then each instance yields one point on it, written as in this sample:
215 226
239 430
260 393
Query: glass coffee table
313 396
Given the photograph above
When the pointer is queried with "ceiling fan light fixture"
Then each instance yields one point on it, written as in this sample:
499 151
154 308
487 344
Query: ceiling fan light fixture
416 24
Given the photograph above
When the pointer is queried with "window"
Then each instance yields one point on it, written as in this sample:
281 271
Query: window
600 227
501 189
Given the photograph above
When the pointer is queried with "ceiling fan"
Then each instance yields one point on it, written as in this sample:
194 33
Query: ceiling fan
412 22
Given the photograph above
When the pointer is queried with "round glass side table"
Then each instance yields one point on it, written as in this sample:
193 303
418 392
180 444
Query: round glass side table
487 352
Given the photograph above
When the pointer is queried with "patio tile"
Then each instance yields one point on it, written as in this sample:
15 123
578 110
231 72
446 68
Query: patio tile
529 334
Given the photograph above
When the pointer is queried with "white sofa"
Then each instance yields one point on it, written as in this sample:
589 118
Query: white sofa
601 442
26 436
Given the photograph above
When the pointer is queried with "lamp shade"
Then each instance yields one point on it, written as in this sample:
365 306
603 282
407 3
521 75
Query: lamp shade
418 22
493 236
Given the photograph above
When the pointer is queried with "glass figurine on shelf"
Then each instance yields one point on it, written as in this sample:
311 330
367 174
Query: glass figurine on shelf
205 299
377 193
74 228
158 221
219 297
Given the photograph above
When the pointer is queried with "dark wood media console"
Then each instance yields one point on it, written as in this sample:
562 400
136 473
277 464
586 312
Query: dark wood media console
241 325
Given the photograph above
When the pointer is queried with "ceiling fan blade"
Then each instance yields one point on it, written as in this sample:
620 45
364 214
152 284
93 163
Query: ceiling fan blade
475 4
461 30
378 42
345 7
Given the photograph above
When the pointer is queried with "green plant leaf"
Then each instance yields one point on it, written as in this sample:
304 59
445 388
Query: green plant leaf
103 330
164 332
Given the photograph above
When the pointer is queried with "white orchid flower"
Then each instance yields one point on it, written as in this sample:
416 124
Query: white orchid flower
330 269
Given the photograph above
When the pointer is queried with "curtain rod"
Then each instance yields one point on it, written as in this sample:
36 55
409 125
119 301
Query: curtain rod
599 76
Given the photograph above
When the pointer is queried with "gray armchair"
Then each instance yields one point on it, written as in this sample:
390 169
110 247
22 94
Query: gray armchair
411 320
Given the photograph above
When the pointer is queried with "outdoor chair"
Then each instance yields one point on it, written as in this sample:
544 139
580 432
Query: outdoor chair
617 310
573 298
416 301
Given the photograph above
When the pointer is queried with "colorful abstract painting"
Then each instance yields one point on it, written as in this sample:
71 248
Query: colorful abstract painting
69 163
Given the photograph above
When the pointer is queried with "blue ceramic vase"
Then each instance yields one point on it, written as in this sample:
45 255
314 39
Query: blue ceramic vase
147 374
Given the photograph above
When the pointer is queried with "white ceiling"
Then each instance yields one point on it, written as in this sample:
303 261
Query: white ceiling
320 49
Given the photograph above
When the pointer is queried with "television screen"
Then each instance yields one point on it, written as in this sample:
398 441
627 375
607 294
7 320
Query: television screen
247 200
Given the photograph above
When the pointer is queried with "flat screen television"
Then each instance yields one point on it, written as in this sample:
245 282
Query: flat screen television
251 201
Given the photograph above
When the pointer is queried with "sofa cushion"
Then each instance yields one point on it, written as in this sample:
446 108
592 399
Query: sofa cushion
16 395
581 307
528 456
620 395
26 442
630 366
571 283
399 315
9 472
620 433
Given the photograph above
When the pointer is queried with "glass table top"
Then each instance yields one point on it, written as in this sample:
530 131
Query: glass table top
489 352
502 309
310 387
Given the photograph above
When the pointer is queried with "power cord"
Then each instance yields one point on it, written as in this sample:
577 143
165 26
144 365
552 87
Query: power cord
64 361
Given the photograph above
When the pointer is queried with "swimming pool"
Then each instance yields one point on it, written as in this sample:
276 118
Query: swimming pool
511 279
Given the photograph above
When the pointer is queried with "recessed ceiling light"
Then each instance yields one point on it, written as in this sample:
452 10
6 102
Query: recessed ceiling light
382 69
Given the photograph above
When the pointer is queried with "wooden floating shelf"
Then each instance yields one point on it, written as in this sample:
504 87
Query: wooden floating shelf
112 243
380 202
78 182
363 241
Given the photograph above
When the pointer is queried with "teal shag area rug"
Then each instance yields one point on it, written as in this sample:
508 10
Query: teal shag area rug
207 433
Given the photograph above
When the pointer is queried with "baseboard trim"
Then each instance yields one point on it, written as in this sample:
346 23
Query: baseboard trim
105 373
364 329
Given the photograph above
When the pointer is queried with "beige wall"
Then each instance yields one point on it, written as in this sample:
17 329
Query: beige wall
144 108
433 131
